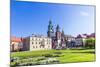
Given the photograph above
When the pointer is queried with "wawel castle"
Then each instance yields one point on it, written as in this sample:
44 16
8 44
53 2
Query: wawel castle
54 40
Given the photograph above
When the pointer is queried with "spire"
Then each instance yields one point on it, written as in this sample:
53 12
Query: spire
62 32
50 26
57 28
50 31
50 22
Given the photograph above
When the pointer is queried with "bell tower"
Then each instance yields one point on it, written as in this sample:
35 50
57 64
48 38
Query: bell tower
58 37
50 32
58 33
62 36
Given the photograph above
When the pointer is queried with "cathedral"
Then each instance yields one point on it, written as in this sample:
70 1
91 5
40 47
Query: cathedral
59 40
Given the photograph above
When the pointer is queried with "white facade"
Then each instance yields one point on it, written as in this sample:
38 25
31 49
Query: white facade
79 41
14 46
58 44
38 43
70 38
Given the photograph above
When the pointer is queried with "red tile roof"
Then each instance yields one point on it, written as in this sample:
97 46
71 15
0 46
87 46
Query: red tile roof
15 39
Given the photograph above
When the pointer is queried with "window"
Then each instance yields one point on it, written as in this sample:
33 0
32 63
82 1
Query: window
40 46
36 46
43 46
48 46
33 47
32 42
49 42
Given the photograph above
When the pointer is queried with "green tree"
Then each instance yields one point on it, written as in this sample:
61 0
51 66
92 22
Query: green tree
90 43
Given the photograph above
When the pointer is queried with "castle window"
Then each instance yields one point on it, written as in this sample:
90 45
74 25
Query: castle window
36 46
40 46
33 47
43 46
36 42
32 42
48 46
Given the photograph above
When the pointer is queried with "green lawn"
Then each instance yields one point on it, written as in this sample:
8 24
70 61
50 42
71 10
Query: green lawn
64 56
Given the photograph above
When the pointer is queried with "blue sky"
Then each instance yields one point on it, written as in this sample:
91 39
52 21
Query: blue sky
33 17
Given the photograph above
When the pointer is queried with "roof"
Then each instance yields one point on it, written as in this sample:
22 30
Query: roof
86 35
92 35
79 36
37 35
15 39
70 36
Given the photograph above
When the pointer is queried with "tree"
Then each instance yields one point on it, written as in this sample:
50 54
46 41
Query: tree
90 43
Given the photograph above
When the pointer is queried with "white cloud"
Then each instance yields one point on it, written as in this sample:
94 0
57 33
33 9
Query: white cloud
83 13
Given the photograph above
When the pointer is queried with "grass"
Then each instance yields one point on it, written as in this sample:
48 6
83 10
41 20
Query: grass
78 57
65 56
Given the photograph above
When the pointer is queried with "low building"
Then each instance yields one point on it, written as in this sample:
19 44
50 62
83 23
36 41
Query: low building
70 41
80 39
16 44
69 37
37 42
92 35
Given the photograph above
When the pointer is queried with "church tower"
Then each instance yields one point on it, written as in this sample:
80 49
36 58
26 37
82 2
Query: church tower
50 32
58 37
58 33
63 41
62 36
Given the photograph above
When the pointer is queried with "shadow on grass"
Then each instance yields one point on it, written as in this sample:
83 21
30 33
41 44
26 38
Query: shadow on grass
79 49
91 52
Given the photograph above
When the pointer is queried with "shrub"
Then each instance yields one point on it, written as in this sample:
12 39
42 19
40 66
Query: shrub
40 59
57 53
47 55
90 43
